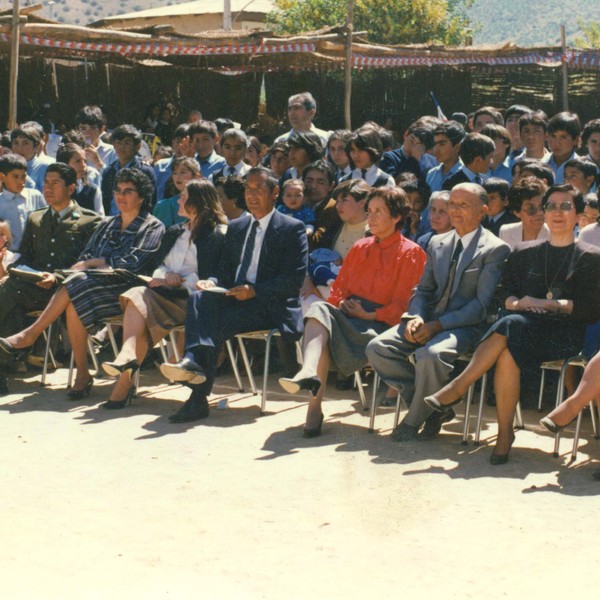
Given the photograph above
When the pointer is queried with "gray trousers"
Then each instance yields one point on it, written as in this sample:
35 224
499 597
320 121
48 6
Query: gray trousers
418 371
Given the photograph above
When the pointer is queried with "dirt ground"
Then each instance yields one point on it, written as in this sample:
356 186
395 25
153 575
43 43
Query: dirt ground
102 504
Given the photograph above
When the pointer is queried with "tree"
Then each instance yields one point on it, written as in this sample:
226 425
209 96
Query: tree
389 22
591 35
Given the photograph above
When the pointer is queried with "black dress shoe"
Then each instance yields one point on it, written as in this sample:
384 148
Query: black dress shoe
501 459
293 386
405 433
433 424
113 369
313 432
344 383
195 408
185 370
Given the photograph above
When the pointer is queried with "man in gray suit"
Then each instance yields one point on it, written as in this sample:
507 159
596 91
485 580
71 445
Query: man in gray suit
446 315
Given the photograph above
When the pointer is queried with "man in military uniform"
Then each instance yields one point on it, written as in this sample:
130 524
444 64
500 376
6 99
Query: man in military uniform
53 239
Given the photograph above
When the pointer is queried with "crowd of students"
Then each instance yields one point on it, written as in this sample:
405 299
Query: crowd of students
507 168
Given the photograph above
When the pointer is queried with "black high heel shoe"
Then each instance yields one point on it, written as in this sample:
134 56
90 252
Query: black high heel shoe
8 348
501 459
314 431
293 386
82 393
113 369
116 404
552 427
436 405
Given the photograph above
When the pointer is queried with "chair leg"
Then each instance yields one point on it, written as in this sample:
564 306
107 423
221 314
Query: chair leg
484 379
373 402
71 367
113 341
594 420
173 338
519 417
263 400
559 399
576 436
542 381
233 361
397 411
247 365
47 354
92 354
465 437
361 390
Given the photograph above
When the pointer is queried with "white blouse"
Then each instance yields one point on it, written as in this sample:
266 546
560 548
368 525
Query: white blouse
182 259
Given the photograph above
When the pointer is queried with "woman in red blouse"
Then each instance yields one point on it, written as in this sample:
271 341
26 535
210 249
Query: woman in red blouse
368 296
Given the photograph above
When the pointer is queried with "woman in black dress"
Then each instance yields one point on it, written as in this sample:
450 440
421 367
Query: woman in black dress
121 245
550 291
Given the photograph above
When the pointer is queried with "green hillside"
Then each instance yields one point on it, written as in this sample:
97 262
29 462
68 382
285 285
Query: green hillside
531 22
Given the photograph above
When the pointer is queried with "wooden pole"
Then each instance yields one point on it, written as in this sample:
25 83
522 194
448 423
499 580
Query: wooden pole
565 70
14 67
227 15
348 68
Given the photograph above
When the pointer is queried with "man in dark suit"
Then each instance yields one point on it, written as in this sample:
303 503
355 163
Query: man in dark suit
447 312
53 239
263 266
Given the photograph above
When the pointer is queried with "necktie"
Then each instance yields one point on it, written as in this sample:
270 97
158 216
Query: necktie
363 172
478 179
231 171
442 304
55 222
248 250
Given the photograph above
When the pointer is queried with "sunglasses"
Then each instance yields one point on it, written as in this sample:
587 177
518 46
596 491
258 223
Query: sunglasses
532 210
563 207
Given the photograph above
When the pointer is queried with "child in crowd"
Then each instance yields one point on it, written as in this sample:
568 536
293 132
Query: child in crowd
590 212
86 194
184 169
499 165
337 145
17 201
563 137
365 149
231 192
418 194
279 160
476 153
294 205
234 144
27 142
533 127
7 257
498 212
254 152
530 167
447 138
91 123
303 149
204 137
590 139
581 174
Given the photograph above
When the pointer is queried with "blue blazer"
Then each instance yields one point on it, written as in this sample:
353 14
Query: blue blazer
281 267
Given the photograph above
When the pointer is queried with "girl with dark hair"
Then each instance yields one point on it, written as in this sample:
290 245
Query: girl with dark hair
365 150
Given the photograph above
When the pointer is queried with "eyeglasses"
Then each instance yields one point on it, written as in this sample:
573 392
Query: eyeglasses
532 210
563 207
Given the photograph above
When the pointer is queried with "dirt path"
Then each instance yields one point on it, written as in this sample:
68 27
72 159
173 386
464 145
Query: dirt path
125 505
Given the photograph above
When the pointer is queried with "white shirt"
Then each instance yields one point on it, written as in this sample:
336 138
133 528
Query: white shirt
263 224
466 240
183 260
239 171
372 174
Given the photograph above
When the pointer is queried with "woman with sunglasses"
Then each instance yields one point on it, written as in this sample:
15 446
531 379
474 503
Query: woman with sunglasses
549 292
525 201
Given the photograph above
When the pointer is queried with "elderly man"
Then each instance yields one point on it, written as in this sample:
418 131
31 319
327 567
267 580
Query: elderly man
263 265
446 314
301 111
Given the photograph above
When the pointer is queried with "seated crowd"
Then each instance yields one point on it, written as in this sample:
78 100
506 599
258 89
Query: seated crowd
476 235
